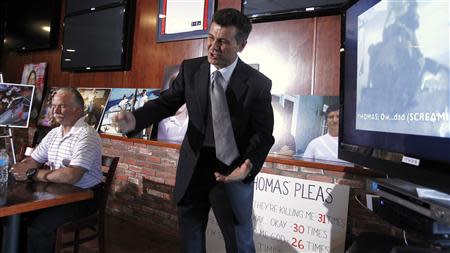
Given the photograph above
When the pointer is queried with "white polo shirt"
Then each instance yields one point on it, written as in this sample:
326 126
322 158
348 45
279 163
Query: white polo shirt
80 147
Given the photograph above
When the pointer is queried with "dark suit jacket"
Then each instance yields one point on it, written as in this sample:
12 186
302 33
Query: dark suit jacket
249 102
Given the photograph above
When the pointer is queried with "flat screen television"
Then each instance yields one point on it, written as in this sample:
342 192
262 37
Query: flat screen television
267 10
73 6
395 90
31 25
98 40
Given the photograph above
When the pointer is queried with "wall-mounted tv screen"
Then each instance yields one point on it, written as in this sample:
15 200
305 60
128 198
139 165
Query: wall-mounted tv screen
395 92
15 104
261 10
31 25
73 6
97 40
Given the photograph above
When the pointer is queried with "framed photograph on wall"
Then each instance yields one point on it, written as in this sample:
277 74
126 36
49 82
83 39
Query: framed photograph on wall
45 118
95 100
120 99
182 20
34 74
127 99
143 95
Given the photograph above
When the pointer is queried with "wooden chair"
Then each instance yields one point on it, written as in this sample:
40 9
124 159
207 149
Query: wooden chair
95 223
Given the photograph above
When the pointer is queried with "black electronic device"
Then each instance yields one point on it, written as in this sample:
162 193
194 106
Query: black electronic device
31 25
268 10
395 90
31 173
76 6
407 194
100 39
404 205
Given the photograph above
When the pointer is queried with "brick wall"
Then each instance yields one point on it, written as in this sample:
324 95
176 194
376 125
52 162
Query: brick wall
143 184
146 175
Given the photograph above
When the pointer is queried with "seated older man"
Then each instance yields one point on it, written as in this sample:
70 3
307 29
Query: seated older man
73 153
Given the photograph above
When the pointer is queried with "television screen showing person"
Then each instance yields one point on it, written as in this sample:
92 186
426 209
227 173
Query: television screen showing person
325 147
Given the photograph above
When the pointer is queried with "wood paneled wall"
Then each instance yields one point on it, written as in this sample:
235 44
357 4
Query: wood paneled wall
301 56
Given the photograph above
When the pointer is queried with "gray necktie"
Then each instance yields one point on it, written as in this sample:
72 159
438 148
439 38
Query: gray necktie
226 149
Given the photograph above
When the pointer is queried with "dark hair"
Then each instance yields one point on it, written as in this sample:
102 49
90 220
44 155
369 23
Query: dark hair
78 99
232 17
29 75
332 108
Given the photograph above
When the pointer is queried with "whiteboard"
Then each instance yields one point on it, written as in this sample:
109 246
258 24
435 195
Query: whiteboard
293 215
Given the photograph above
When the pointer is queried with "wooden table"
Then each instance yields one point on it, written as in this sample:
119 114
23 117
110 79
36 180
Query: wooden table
21 197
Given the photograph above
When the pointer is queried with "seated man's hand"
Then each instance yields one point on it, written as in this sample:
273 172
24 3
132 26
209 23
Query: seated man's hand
19 171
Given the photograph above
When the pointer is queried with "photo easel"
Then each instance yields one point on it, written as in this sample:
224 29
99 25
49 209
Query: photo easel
9 135
20 98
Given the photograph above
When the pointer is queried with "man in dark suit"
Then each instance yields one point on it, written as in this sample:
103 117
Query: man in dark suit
207 176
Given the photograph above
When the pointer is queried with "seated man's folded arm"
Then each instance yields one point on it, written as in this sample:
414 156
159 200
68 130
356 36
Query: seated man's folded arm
67 175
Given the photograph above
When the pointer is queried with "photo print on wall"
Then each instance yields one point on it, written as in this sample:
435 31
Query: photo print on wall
95 100
45 118
172 129
118 100
128 99
35 74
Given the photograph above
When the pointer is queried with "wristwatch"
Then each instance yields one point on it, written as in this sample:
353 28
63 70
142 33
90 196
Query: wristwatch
30 174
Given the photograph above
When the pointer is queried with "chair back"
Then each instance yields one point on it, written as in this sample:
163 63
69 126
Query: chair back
109 162
94 222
